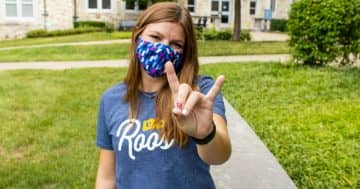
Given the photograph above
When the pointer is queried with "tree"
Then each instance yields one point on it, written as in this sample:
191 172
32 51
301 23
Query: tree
324 31
237 21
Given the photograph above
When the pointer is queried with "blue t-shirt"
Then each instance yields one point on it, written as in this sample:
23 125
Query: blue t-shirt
143 159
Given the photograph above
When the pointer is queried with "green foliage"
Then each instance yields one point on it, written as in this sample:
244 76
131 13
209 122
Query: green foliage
278 25
37 33
89 24
212 34
311 125
245 35
109 27
44 33
217 35
323 31
106 26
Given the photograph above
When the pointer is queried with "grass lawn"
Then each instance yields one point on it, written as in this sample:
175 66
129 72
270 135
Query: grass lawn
308 117
120 51
97 36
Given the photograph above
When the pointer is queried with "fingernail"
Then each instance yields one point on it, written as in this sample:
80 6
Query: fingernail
185 112
179 105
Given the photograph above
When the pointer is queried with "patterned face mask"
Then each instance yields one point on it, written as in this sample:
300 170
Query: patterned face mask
153 56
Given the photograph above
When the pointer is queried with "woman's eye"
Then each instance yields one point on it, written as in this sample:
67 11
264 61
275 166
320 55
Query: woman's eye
154 36
178 46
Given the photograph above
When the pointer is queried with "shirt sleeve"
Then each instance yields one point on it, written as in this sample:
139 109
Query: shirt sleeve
103 138
205 84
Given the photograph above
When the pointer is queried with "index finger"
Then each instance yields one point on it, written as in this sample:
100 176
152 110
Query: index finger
172 77
216 88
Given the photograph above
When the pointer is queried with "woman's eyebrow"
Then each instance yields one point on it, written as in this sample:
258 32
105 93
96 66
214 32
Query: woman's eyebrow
161 35
156 32
179 41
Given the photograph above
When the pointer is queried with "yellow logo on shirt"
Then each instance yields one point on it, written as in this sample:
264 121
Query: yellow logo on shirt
151 124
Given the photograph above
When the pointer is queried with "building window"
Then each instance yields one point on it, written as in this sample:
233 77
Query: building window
99 4
136 4
252 7
191 5
106 4
220 9
92 4
130 5
273 5
214 5
225 6
224 19
19 8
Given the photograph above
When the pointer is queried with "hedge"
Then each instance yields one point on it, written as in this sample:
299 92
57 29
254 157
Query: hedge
278 25
44 33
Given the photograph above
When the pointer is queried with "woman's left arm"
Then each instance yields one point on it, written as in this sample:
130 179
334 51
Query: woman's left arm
218 150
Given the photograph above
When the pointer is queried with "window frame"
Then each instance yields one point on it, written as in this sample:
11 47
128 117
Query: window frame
273 5
99 5
136 7
192 6
19 11
227 14
252 8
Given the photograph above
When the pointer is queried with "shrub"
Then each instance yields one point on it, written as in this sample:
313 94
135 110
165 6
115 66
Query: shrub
36 33
209 34
278 25
109 27
44 33
224 35
89 24
245 35
212 34
322 31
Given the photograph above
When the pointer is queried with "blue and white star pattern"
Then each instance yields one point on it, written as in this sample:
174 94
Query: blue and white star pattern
153 56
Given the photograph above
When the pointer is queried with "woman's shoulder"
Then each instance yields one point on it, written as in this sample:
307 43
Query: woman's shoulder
115 91
205 82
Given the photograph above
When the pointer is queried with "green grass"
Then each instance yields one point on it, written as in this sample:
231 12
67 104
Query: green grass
97 36
308 117
220 48
66 53
47 127
117 51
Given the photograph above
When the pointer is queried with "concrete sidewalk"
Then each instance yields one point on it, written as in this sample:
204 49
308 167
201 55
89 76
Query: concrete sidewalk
53 65
268 36
251 165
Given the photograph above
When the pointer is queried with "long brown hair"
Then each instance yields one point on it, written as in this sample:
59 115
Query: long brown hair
163 12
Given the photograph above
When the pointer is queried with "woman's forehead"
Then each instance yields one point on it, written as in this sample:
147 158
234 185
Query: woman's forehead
171 30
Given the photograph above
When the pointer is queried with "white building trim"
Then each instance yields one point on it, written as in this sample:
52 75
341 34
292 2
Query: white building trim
19 10
99 8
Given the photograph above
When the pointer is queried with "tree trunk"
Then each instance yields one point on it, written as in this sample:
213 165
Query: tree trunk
237 21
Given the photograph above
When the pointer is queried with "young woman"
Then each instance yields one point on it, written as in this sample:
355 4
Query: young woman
163 125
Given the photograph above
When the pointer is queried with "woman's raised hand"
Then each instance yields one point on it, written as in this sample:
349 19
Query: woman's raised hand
193 110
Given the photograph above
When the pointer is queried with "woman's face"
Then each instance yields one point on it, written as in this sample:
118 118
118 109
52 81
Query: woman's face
168 33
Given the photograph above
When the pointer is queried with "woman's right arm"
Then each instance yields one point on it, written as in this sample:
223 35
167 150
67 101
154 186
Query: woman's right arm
105 178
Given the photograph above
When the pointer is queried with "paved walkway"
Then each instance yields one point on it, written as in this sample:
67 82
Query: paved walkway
124 63
251 165
268 36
